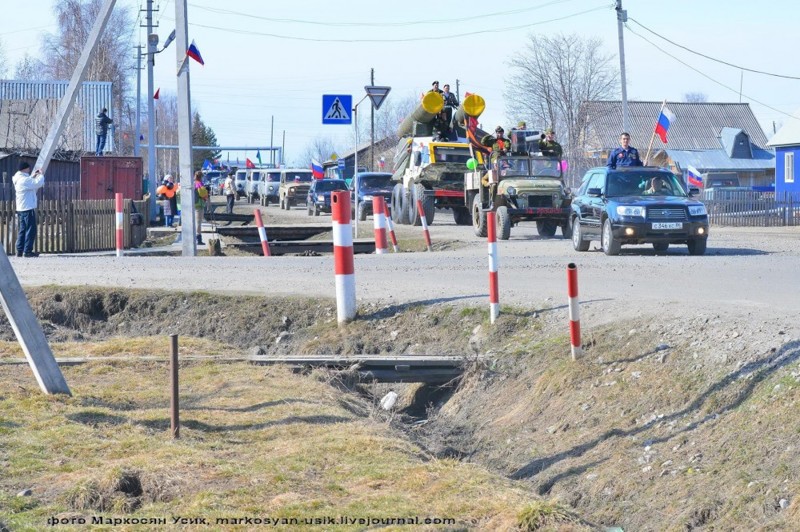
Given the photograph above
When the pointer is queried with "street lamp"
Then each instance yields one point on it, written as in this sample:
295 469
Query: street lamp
355 167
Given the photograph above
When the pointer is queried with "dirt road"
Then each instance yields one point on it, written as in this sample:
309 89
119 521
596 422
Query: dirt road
746 270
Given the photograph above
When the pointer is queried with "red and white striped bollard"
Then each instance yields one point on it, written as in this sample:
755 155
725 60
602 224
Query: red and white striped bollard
574 311
262 233
494 292
424 225
118 202
390 225
379 222
343 257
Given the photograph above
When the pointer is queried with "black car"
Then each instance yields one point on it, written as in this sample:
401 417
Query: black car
319 195
370 184
637 205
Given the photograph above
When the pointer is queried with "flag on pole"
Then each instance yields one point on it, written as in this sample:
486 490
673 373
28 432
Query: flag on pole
206 164
694 177
316 169
258 156
248 163
158 91
194 53
664 120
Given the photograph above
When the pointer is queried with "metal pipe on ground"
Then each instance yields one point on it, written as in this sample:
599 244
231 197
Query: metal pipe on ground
379 221
574 311
424 221
390 225
494 292
120 218
262 233
343 257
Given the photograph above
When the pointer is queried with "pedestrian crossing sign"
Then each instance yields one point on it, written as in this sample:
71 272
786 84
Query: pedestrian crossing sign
336 108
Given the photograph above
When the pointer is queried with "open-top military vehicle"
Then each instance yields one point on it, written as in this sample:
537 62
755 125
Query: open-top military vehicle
521 186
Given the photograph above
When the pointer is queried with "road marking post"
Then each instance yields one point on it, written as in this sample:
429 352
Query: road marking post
424 225
390 225
494 292
574 311
343 257
262 233
379 221
118 203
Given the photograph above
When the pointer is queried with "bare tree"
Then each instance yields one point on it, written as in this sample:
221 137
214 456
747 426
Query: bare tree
552 78
29 68
3 60
695 97
320 148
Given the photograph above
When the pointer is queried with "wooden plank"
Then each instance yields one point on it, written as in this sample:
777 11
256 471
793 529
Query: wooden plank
29 332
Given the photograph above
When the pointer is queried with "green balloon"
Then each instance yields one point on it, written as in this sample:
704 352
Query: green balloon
472 164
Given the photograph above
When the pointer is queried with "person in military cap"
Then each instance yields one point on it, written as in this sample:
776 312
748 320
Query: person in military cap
548 145
521 125
435 87
499 143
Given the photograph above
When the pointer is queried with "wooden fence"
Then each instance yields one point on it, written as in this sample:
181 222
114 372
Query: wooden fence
75 226
748 208
52 190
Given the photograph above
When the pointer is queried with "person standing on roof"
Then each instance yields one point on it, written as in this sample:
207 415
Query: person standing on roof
435 87
548 145
101 123
450 99
499 143
625 155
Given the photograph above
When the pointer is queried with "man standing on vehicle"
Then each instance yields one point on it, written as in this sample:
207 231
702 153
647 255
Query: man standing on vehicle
499 143
625 155
548 145
101 124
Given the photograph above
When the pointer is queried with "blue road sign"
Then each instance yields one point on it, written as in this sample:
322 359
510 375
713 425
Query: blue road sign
340 163
336 109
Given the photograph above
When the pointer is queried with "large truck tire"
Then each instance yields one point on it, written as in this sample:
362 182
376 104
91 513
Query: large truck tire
462 216
399 213
478 217
546 228
503 223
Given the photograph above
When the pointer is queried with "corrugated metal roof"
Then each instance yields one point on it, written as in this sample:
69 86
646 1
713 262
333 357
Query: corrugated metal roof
697 126
718 160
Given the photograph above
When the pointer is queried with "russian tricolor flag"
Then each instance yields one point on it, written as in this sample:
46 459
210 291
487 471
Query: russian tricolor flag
664 120
194 53
694 177
316 169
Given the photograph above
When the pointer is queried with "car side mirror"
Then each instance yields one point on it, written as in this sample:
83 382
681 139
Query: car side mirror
596 192
694 191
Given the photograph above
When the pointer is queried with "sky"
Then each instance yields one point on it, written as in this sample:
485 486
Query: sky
275 60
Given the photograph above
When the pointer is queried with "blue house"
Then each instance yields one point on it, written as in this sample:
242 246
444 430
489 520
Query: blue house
787 156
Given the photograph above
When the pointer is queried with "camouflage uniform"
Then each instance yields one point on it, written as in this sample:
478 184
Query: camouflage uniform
550 148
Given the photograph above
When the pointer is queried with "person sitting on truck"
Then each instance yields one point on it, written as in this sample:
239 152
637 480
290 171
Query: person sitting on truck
548 145
499 143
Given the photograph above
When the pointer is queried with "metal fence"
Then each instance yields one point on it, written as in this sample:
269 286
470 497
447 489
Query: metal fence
75 226
749 208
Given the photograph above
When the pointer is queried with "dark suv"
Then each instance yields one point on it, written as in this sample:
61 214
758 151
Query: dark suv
637 205
319 195
370 184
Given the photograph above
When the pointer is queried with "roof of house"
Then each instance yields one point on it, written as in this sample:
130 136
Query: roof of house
789 134
718 160
697 126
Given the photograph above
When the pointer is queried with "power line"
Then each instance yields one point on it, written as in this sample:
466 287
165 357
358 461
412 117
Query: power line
382 23
410 39
712 58
706 75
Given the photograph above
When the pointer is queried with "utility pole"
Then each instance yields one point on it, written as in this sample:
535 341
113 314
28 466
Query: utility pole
188 236
622 17
371 125
152 43
136 141
283 146
458 90
271 143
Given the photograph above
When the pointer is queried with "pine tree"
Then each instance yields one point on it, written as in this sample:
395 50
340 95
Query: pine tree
202 135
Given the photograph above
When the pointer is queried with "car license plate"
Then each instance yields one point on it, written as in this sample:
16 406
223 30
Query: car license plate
667 225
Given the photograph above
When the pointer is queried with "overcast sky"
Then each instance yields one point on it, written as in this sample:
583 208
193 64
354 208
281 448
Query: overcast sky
265 59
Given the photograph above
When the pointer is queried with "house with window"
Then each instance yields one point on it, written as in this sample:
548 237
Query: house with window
786 143
711 137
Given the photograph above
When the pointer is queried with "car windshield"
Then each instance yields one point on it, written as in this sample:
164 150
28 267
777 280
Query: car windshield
450 154
272 177
374 181
643 184
545 168
328 186
299 177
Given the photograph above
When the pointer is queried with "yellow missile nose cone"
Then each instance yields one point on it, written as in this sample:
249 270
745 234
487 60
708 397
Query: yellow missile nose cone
474 105
432 102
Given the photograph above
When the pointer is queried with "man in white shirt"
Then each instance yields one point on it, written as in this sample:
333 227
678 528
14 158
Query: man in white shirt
26 186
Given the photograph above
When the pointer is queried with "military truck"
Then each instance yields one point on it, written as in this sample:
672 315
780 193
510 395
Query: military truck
429 166
521 186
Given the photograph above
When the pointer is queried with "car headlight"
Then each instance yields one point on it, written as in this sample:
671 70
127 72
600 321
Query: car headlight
271 187
320 197
628 210
697 210
511 191
367 197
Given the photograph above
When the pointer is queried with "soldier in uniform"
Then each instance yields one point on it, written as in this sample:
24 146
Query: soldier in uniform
499 143
548 145
625 155
435 87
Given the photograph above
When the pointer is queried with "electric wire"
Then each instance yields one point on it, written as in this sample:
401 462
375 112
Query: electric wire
695 52
706 75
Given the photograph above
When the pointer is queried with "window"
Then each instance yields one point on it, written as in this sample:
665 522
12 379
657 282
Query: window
788 167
